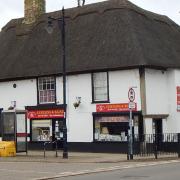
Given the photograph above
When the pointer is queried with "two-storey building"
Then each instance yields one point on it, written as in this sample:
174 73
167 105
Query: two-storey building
110 47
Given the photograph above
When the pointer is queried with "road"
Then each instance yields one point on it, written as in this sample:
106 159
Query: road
161 172
85 171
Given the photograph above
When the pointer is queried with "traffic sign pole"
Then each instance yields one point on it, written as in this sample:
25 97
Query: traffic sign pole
131 96
130 135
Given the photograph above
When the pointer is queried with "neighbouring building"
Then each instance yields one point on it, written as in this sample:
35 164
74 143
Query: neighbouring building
111 46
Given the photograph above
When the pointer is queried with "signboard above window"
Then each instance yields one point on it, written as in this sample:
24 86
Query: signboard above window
114 107
45 114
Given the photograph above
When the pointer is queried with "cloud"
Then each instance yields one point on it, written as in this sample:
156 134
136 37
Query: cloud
169 8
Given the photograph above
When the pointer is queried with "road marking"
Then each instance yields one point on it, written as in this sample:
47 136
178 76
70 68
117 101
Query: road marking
25 171
108 169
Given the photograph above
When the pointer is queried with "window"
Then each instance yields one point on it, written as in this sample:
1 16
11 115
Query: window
46 88
41 130
100 87
113 128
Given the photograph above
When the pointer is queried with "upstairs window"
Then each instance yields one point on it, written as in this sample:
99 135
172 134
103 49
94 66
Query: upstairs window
100 90
46 90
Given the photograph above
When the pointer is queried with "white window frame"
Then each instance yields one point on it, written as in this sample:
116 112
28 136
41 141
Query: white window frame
46 90
100 81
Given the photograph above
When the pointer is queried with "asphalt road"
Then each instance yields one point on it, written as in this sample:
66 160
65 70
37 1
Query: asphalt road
160 172
166 170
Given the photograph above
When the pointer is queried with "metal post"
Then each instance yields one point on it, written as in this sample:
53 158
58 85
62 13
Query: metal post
178 145
65 148
155 146
56 149
44 150
130 136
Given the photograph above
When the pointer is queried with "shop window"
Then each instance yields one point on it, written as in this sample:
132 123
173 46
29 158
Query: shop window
41 130
100 87
111 128
46 89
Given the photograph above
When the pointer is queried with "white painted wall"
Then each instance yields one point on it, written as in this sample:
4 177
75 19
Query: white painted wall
161 97
156 91
25 94
172 123
148 126
119 84
80 120
160 93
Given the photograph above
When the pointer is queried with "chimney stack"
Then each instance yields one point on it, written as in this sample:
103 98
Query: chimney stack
33 9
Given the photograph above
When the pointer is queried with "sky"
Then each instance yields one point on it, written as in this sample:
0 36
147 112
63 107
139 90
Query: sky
11 9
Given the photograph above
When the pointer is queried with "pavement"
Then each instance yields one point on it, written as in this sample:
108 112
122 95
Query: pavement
79 157
34 166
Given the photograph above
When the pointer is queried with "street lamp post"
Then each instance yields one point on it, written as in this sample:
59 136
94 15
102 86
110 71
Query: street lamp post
61 25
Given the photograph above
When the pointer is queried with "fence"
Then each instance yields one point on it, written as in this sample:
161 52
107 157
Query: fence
156 144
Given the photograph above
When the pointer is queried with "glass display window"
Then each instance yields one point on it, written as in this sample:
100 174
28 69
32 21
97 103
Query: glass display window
42 130
113 128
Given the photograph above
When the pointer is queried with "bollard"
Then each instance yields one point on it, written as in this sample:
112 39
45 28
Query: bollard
178 145
56 148
44 150
155 146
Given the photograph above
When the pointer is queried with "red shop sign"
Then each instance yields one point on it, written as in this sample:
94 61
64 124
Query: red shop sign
43 114
178 98
114 107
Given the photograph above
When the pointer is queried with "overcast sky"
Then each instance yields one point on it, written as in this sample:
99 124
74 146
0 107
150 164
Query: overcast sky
10 9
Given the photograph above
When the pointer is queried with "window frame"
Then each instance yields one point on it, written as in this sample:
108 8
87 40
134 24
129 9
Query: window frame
31 129
93 93
106 114
38 96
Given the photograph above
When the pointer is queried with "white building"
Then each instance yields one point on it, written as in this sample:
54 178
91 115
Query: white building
111 47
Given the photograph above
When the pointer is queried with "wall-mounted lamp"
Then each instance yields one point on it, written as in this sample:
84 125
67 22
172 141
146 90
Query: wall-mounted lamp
77 102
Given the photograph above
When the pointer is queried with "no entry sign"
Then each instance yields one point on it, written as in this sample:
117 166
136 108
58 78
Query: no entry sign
131 95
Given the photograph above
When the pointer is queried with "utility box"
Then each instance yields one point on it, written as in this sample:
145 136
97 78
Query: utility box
7 149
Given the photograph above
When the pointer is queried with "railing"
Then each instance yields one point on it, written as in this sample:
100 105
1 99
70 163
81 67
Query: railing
51 142
156 144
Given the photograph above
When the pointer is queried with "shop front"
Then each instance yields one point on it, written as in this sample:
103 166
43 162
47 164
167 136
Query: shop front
111 125
45 125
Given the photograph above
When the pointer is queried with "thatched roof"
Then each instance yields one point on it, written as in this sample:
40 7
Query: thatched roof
114 34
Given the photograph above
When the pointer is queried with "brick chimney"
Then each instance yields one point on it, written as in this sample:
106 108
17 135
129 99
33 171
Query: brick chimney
33 9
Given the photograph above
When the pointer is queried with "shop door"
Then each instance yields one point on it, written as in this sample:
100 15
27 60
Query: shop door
57 131
157 126
158 131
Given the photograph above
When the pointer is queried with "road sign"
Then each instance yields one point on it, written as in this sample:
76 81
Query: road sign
132 105
131 95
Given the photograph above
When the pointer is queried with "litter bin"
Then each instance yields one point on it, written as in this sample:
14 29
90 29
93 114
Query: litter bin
7 149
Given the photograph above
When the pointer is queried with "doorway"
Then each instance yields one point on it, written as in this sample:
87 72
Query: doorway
157 126
158 131
57 132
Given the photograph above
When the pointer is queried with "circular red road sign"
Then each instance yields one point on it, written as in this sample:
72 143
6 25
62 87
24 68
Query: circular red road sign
131 95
